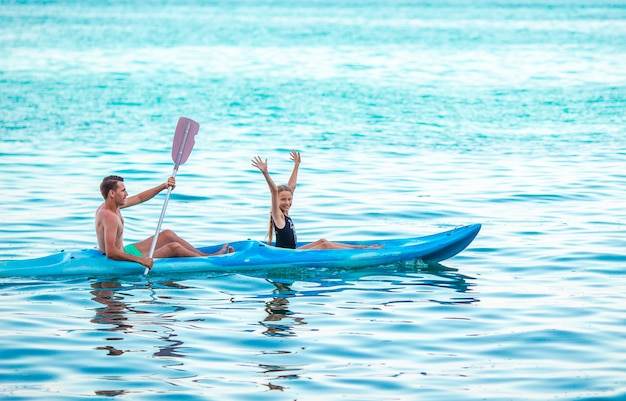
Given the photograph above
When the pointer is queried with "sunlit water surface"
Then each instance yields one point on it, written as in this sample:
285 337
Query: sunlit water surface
411 118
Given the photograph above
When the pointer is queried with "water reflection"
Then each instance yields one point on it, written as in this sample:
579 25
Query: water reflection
413 273
279 373
113 311
114 314
292 288
282 321
277 310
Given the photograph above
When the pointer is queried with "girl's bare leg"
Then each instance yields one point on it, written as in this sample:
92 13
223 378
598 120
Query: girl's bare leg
325 244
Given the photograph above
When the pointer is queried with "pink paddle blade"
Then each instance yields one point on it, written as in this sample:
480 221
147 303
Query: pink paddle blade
184 140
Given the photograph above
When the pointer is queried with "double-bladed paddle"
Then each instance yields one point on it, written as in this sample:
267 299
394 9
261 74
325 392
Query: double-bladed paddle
186 129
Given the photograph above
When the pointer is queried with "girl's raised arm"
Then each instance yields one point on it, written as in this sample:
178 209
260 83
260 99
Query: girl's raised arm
295 156
262 165
277 214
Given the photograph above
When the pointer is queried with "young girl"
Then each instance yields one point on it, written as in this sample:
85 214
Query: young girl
282 196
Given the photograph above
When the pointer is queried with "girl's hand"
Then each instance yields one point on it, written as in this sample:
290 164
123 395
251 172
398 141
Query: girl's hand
259 163
295 156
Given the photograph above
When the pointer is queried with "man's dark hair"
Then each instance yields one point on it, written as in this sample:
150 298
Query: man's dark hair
109 183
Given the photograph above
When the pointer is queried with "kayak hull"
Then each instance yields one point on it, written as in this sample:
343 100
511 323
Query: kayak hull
251 255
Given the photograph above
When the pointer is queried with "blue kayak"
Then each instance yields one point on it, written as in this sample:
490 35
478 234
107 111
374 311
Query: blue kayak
251 255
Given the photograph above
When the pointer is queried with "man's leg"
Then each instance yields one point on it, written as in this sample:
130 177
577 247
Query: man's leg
168 237
169 245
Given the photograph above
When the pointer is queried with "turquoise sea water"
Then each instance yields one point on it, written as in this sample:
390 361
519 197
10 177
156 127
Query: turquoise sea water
412 117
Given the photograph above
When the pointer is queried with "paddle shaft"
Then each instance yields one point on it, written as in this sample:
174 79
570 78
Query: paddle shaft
179 155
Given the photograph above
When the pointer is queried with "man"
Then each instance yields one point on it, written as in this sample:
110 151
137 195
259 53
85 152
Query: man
110 227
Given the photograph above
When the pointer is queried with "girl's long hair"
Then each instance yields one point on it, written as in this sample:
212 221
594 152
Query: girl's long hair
270 230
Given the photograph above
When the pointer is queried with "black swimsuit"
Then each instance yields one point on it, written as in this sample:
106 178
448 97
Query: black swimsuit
286 237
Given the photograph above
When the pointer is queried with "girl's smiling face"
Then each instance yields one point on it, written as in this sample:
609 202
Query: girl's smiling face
284 201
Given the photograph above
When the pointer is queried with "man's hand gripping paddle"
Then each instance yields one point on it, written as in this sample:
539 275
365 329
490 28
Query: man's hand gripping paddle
186 129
